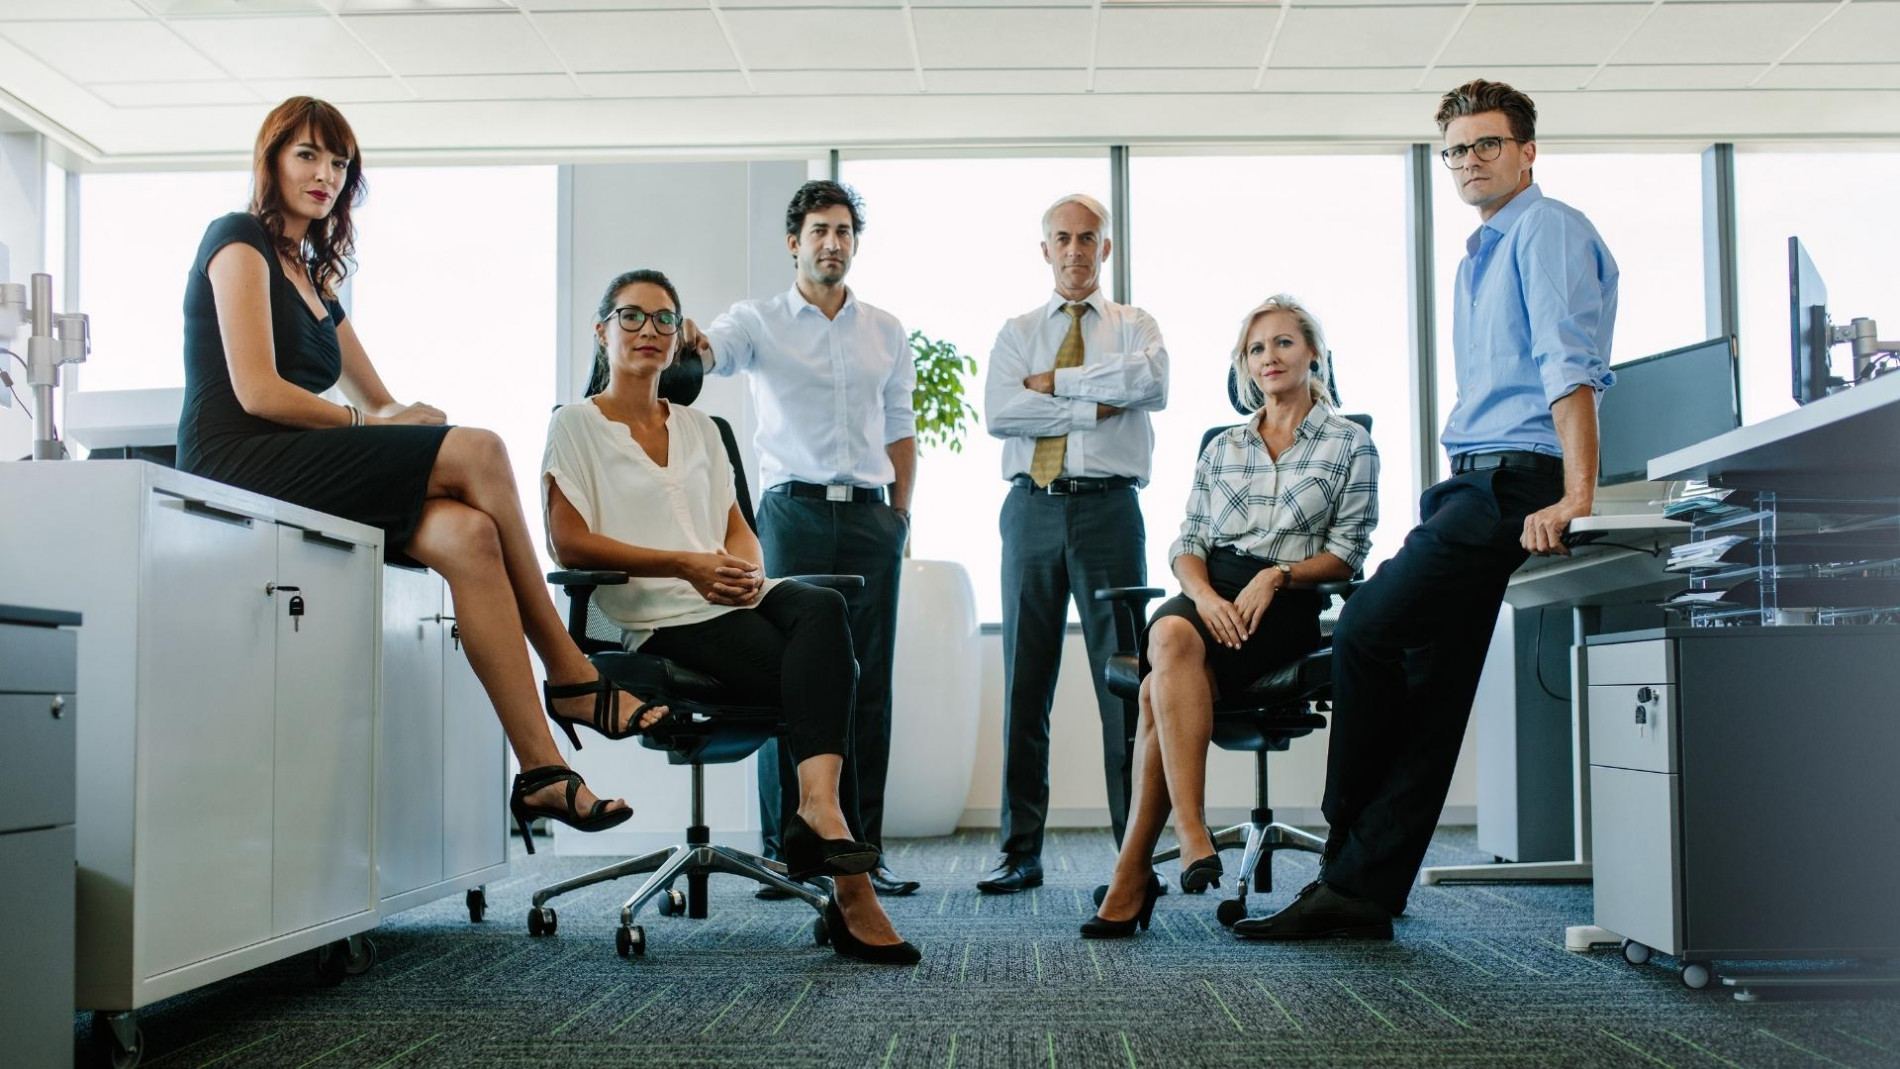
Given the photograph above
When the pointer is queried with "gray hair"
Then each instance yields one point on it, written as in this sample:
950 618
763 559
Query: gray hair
1319 384
1086 201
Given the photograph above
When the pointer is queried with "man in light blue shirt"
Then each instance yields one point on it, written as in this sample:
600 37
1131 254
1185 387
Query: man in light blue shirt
1531 327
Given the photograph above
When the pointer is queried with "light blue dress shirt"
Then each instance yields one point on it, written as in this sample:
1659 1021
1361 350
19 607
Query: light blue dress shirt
830 394
1535 308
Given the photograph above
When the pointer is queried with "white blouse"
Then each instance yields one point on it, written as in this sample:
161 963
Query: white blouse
621 493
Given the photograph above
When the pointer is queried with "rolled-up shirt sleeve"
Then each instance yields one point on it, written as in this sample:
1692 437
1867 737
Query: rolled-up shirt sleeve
1197 528
1569 289
564 464
1134 379
1356 509
900 410
1012 410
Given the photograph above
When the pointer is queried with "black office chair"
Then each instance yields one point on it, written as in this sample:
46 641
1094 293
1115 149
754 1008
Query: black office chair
704 728
1277 708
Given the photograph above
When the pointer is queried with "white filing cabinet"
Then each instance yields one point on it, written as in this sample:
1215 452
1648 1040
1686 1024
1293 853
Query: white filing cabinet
442 765
226 761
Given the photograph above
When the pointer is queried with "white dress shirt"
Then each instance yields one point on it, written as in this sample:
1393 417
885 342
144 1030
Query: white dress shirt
830 393
621 493
1124 364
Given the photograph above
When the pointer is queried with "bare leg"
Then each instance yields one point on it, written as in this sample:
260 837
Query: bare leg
1147 814
1184 724
472 468
818 804
462 544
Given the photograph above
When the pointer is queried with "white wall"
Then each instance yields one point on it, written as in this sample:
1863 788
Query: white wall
22 171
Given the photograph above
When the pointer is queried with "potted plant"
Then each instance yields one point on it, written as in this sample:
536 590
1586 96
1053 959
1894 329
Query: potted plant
937 671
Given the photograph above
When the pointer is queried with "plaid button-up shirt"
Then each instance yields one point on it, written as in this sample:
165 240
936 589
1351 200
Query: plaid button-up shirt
1322 495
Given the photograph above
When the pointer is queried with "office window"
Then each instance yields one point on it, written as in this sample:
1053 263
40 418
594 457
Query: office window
1841 205
952 248
1648 208
137 236
455 300
1211 237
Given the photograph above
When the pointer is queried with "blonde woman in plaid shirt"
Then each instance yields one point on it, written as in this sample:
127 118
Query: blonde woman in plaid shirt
1281 502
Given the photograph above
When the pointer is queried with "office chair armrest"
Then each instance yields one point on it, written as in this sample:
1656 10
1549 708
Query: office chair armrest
1341 588
1131 606
1129 593
835 582
582 577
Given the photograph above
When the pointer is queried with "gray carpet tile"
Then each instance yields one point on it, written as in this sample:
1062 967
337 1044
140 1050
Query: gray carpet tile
1477 976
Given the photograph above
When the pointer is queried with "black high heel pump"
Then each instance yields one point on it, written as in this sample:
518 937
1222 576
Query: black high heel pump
1100 927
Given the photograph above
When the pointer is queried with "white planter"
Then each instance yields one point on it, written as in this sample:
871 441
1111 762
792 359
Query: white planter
936 699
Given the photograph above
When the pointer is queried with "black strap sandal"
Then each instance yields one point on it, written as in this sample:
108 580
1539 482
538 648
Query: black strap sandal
597 818
606 709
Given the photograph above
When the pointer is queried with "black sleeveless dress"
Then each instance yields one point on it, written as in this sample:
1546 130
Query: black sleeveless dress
373 475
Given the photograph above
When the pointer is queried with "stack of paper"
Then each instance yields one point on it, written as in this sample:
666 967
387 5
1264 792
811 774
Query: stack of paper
1700 501
1704 554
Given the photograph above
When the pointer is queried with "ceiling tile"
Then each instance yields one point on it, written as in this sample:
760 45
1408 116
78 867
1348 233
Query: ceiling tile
1362 37
1184 37
20 10
996 37
737 5
664 84
1678 76
608 5
1833 76
1542 34
1175 79
812 38
638 40
336 90
495 87
291 47
112 51
238 8
1860 33
418 6
1529 79
837 83
1014 80
501 43
1720 33
175 94
1339 79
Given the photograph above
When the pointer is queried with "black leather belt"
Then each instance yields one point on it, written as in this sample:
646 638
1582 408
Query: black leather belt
1521 461
829 492
1059 487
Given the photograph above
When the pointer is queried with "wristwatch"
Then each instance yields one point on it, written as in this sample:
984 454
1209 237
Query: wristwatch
1286 574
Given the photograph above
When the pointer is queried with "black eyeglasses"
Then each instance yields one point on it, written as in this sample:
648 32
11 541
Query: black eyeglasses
666 320
1485 148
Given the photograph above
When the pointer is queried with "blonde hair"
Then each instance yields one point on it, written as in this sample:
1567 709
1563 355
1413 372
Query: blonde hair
1320 382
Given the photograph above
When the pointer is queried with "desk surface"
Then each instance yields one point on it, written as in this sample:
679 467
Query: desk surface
1840 444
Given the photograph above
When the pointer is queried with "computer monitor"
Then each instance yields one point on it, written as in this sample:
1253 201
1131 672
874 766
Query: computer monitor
1808 327
1663 403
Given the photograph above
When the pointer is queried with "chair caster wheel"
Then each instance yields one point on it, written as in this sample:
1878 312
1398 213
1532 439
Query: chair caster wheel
1230 911
630 940
477 904
672 903
112 1032
541 921
820 932
359 954
1694 975
1635 953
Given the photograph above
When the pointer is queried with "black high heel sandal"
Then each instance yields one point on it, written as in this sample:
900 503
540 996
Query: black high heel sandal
1100 927
807 854
597 818
850 946
606 710
1201 875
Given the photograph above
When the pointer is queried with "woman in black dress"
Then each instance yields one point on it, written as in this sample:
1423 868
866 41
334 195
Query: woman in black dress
264 336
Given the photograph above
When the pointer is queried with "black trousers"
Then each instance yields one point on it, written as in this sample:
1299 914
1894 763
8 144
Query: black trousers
1407 653
792 650
1054 547
809 536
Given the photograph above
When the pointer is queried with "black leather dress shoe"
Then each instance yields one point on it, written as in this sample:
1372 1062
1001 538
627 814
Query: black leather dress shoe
1320 912
1018 872
889 884
771 893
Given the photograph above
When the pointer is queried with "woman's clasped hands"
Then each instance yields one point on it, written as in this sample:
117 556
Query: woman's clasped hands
722 578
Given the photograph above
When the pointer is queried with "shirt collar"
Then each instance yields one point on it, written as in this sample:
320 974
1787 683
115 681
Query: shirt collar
1506 216
1094 300
1309 427
797 303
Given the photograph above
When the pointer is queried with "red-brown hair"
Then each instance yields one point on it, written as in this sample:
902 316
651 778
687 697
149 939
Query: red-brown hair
329 246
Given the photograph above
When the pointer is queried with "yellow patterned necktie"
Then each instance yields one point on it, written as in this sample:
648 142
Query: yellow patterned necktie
1047 462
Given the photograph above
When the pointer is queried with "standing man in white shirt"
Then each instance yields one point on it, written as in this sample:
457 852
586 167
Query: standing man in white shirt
1069 389
831 381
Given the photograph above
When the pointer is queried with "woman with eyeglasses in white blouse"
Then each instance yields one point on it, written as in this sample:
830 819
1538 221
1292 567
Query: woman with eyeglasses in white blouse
1280 503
